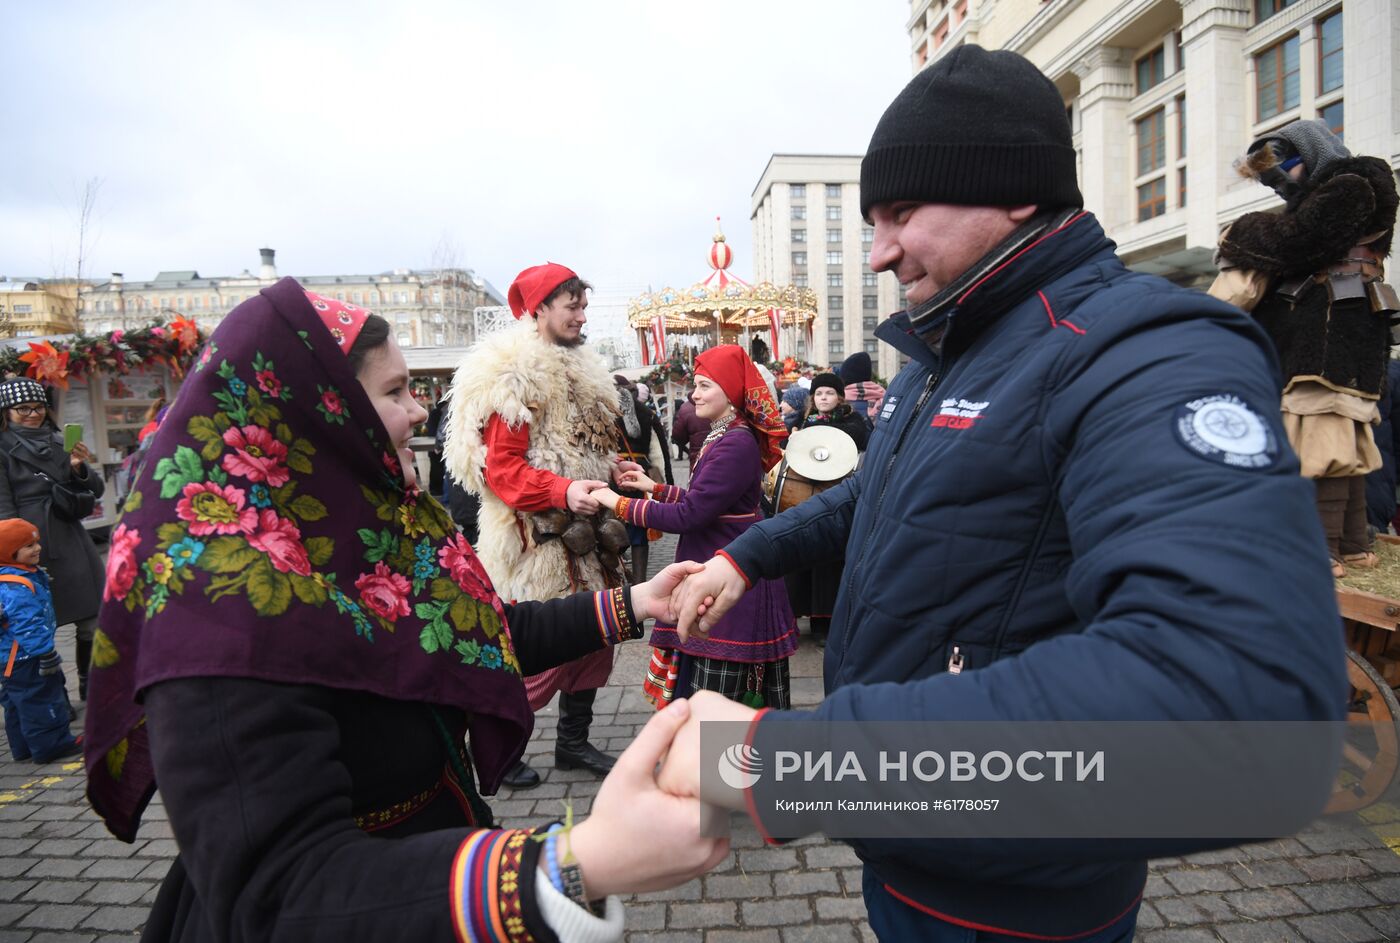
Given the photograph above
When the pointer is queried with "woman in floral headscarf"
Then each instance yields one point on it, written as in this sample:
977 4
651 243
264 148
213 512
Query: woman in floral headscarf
745 656
303 650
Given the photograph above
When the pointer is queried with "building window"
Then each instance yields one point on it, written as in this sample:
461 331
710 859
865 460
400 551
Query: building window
833 236
870 302
198 302
800 281
799 212
1181 185
799 258
865 257
1329 53
833 191
1332 114
835 325
833 258
833 212
1180 52
23 309
798 191
872 346
835 349
1151 69
835 303
1181 126
799 235
1152 142
869 279
1152 199
833 280
355 297
405 340
869 322
1276 74
1263 9
867 235
437 297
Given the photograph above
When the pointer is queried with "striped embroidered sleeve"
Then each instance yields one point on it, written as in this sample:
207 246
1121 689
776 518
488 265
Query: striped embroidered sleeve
616 621
667 494
492 888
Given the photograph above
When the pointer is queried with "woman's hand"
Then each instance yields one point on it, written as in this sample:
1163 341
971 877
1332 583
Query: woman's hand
606 497
637 480
79 455
652 599
617 847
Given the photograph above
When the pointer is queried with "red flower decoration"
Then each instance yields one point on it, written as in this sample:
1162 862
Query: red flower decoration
384 592
281 541
257 455
47 364
186 333
121 563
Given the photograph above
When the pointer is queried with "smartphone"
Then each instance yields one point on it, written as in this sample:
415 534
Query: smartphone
72 435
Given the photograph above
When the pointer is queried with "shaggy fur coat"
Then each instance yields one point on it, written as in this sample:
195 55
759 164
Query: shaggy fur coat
567 397
1345 345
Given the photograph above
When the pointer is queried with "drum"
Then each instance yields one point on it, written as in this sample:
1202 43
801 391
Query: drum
816 459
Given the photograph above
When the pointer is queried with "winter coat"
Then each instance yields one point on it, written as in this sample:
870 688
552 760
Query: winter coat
1380 484
1342 344
1039 497
27 613
69 555
689 430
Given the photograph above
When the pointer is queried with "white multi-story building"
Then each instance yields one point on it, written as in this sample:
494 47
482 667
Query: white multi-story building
426 308
1164 95
808 232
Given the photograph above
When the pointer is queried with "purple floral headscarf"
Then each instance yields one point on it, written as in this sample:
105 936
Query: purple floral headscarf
269 535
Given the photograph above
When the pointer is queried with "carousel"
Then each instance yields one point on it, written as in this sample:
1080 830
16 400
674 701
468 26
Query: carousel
721 309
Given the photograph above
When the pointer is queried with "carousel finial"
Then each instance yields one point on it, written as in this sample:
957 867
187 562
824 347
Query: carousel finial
720 254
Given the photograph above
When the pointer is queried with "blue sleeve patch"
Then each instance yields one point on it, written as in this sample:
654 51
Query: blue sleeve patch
1224 429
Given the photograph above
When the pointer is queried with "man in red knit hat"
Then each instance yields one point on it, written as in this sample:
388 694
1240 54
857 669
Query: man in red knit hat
531 429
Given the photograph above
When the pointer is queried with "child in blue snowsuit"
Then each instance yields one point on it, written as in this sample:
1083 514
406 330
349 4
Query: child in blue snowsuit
32 689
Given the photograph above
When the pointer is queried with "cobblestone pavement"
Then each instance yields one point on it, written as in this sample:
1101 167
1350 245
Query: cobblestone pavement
64 878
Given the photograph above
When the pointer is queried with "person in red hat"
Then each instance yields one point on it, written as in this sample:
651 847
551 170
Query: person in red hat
531 429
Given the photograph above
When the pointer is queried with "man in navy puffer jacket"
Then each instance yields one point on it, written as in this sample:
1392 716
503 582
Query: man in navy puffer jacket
1078 504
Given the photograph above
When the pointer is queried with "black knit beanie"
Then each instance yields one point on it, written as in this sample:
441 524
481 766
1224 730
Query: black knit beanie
829 380
976 128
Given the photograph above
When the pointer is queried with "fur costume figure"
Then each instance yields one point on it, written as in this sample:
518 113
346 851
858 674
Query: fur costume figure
568 398
1318 268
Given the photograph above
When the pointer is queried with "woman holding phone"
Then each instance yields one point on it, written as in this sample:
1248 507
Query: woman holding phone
53 488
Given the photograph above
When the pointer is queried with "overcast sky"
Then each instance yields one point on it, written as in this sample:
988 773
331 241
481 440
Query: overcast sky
357 137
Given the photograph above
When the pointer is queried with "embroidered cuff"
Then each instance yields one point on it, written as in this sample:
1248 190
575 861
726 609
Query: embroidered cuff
488 886
629 510
616 620
667 494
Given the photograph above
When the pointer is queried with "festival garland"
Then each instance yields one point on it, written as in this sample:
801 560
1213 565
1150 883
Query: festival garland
173 345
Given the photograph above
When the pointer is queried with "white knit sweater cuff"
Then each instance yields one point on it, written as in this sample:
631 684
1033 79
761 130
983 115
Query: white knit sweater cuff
572 923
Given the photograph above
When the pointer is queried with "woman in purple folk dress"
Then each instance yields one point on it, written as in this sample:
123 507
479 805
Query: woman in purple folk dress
745 656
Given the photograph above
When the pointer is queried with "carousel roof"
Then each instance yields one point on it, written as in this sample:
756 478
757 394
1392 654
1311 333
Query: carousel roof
737 303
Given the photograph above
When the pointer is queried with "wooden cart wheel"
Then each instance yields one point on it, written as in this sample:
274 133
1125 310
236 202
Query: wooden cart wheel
1371 752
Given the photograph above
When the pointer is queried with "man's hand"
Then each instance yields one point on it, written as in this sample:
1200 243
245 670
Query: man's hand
652 599
680 771
622 467
580 495
706 596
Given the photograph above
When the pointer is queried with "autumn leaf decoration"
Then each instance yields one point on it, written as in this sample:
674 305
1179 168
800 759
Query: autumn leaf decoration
47 364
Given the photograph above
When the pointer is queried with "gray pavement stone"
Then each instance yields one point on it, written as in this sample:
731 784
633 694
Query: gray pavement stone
116 918
820 933
1181 935
14 867
1267 874
735 886
114 869
1335 928
1201 879
57 868
56 916
742 936
1263 931
1261 903
57 892
806 882
776 913
1196 909
710 914
831 856
840 908
119 892
686 936
769 859
1341 867
646 917
1325 897
1384 919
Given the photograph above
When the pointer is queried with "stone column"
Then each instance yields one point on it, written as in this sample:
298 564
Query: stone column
1109 148
1218 106
1371 84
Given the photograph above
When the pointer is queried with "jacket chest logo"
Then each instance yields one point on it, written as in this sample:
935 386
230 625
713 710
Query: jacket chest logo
955 413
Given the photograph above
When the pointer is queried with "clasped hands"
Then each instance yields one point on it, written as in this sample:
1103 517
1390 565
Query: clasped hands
656 787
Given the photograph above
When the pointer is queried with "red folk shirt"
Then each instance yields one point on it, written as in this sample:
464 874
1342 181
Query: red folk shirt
515 481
